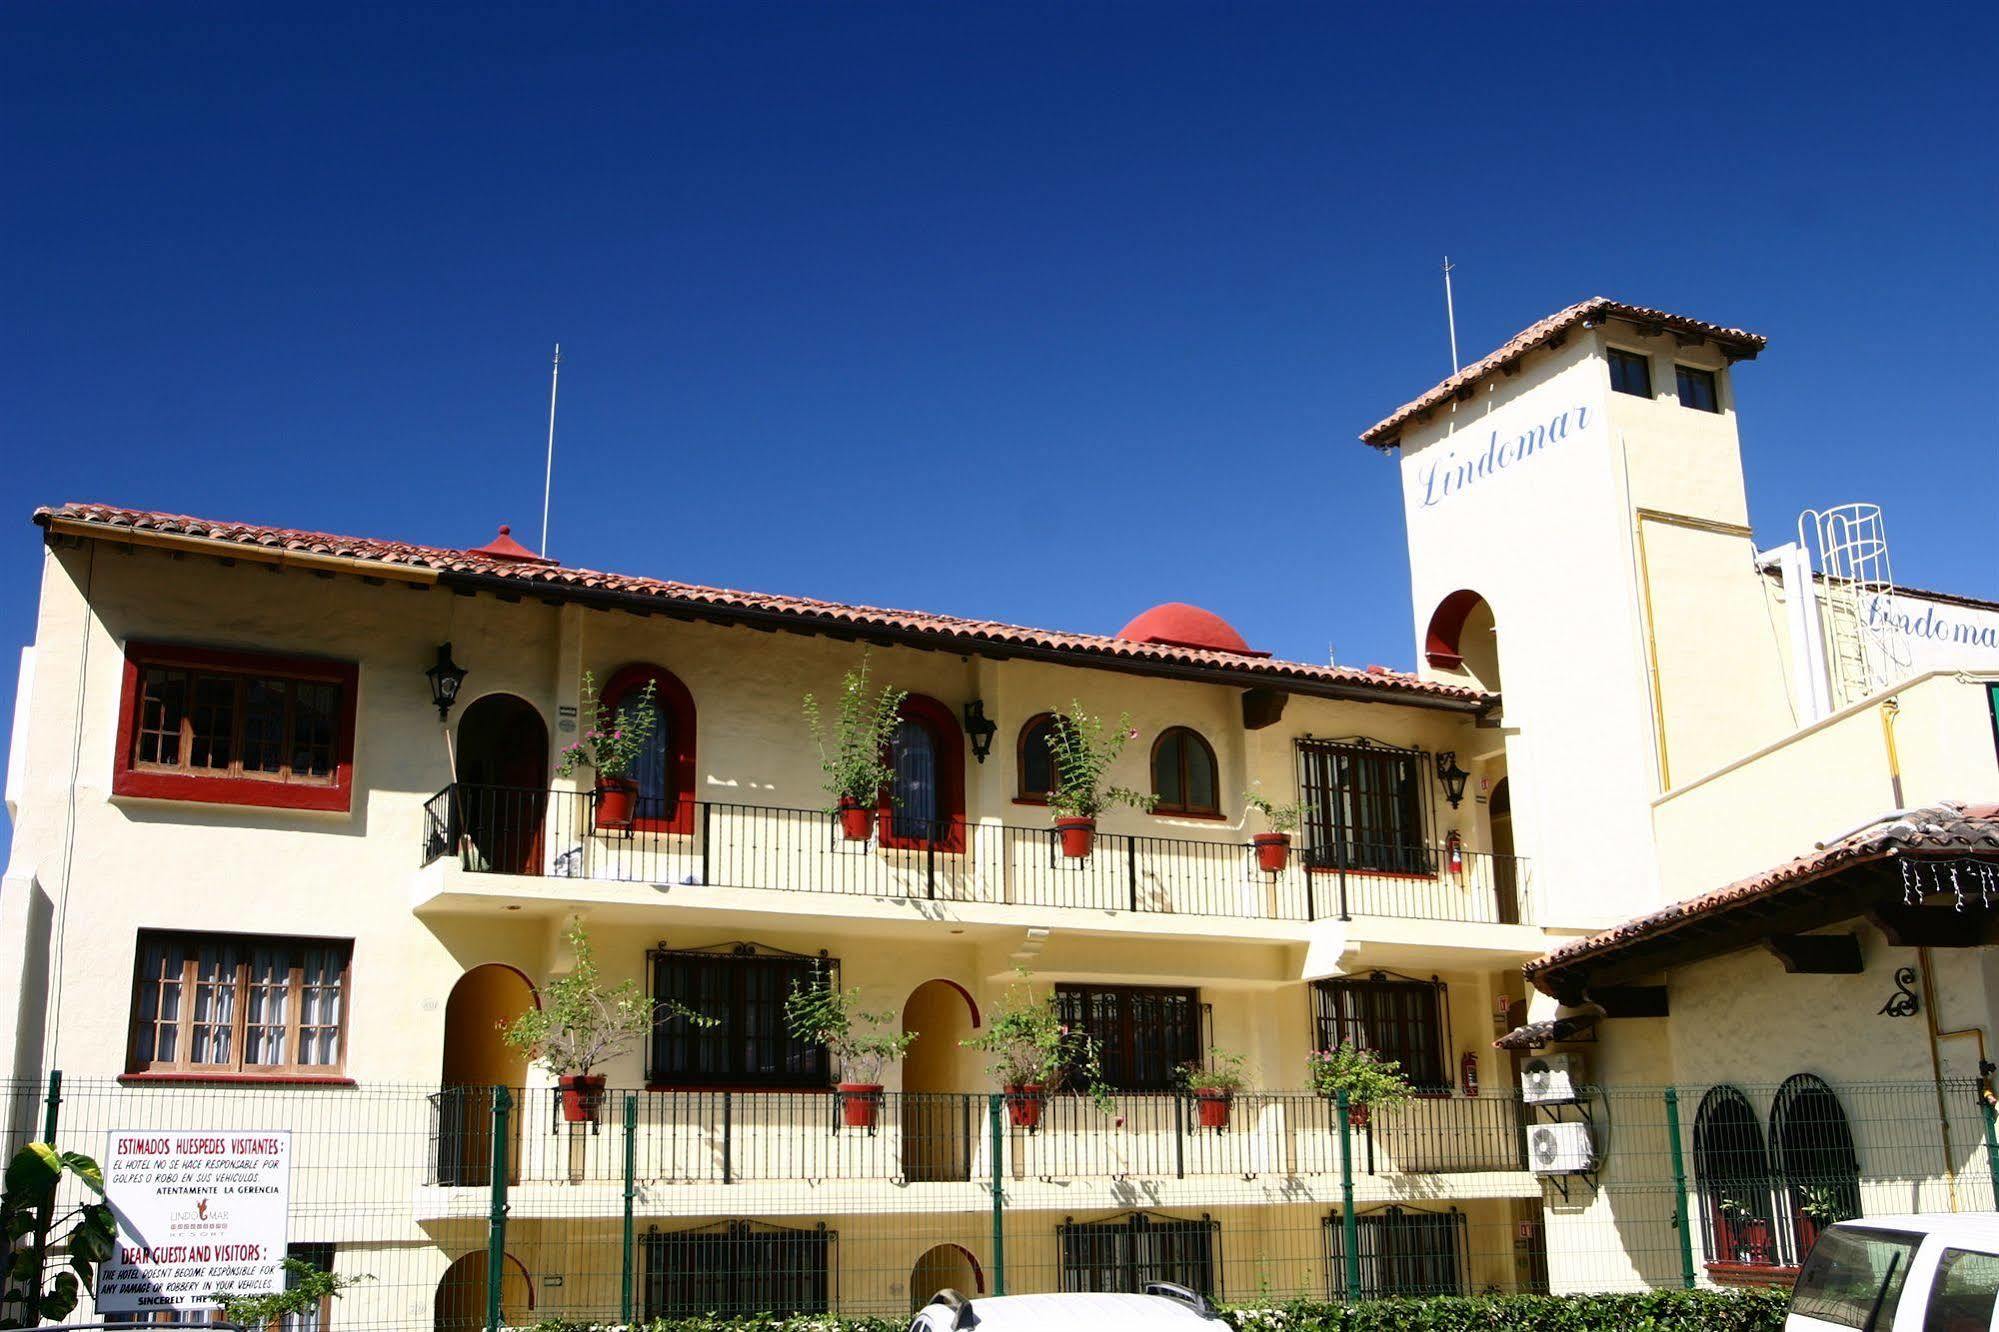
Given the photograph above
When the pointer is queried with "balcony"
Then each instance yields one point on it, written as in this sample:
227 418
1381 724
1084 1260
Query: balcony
556 834
747 1137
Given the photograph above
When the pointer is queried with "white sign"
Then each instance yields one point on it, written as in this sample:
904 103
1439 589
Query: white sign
200 1212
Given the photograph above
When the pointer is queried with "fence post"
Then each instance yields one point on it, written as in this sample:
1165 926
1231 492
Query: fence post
1349 1223
998 1132
1131 868
496 1223
631 1170
1179 1136
1680 1220
55 1100
1991 1147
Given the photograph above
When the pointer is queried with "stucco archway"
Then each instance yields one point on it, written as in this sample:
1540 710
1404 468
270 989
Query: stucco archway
936 1110
945 1267
1464 636
482 1003
502 770
460 1305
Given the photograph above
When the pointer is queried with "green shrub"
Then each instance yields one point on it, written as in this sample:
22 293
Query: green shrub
1653 1311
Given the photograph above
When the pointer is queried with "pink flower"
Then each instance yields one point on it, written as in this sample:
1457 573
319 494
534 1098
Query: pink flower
1132 734
1120 1122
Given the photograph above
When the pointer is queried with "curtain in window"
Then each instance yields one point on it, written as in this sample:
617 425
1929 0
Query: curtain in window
319 1007
214 1005
264 1011
652 770
915 759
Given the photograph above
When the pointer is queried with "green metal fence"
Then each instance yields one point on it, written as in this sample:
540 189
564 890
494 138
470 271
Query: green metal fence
484 1207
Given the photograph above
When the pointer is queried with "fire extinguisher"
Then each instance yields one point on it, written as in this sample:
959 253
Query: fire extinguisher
1454 854
1468 1073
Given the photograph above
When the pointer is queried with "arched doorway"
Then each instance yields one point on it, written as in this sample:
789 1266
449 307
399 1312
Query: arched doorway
502 771
945 1267
1505 870
936 1112
476 1060
1817 1168
460 1305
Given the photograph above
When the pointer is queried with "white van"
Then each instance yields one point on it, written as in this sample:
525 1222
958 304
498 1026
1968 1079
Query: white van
1937 1273
1164 1306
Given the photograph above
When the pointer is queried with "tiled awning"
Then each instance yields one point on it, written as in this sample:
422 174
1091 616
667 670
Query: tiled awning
1539 1035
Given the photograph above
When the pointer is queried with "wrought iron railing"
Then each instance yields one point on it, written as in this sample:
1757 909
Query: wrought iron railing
509 830
730 1137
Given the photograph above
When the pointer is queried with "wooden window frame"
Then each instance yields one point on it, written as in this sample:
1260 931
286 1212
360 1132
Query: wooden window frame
1074 1001
1615 356
949 742
1022 741
742 957
677 703
1333 839
1332 1027
181 1068
1185 811
1683 372
234 787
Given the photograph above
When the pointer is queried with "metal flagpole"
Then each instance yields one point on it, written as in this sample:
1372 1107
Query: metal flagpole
548 474
1451 314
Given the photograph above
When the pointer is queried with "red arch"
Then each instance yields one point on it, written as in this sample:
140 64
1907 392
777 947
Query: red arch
678 704
942 724
1441 647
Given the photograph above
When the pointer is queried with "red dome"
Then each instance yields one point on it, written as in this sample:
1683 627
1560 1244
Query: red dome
1176 624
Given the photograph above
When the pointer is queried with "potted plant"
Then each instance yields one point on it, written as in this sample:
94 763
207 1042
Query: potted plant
1273 848
1031 1052
1214 1085
611 745
819 1014
581 1023
1366 1078
1818 1207
1082 749
1745 1236
854 748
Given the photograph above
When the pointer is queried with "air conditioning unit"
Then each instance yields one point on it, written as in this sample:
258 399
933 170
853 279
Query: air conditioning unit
1551 1079
1560 1149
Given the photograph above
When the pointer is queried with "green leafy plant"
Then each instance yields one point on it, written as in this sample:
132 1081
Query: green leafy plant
1224 1073
581 1023
1083 750
614 740
822 1014
1282 818
306 1287
32 1230
854 746
1820 1204
1363 1075
1026 1043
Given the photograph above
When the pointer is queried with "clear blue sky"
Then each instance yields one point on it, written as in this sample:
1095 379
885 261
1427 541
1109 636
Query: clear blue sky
1040 312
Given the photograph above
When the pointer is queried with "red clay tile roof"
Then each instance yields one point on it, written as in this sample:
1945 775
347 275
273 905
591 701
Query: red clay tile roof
1946 829
1736 342
946 630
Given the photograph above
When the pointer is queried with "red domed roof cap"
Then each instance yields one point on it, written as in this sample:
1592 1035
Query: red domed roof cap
1176 624
504 547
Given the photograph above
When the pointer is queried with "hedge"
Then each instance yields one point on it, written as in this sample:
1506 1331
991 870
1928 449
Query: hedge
1654 1311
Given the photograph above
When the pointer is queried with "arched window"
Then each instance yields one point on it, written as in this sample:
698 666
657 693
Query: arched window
1818 1172
1183 774
665 771
1732 1176
1034 764
924 805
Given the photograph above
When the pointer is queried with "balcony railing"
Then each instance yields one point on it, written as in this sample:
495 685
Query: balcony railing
508 830
732 1137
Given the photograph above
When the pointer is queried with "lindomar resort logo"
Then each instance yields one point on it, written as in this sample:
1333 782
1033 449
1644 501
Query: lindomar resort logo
1468 460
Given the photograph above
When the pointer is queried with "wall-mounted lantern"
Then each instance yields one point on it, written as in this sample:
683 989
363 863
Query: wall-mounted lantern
446 677
981 728
1452 776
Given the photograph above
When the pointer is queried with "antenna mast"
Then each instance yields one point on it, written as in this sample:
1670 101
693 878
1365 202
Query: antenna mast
1451 314
548 473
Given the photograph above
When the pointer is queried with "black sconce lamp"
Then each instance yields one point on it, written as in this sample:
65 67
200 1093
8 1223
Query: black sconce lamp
980 728
445 679
1452 776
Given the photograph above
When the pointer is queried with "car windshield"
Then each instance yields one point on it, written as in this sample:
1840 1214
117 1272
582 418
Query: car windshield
1854 1277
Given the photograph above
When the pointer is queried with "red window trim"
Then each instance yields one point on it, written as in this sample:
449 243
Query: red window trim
678 703
209 1079
128 780
1214 766
942 724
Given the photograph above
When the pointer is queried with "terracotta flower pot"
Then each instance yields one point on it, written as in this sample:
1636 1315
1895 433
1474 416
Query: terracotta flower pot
860 1104
1214 1108
857 821
617 801
582 1094
1079 835
1273 852
1357 1116
1024 1102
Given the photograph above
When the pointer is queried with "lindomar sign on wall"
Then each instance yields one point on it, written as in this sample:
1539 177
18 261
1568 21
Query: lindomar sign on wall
201 1212
1515 438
